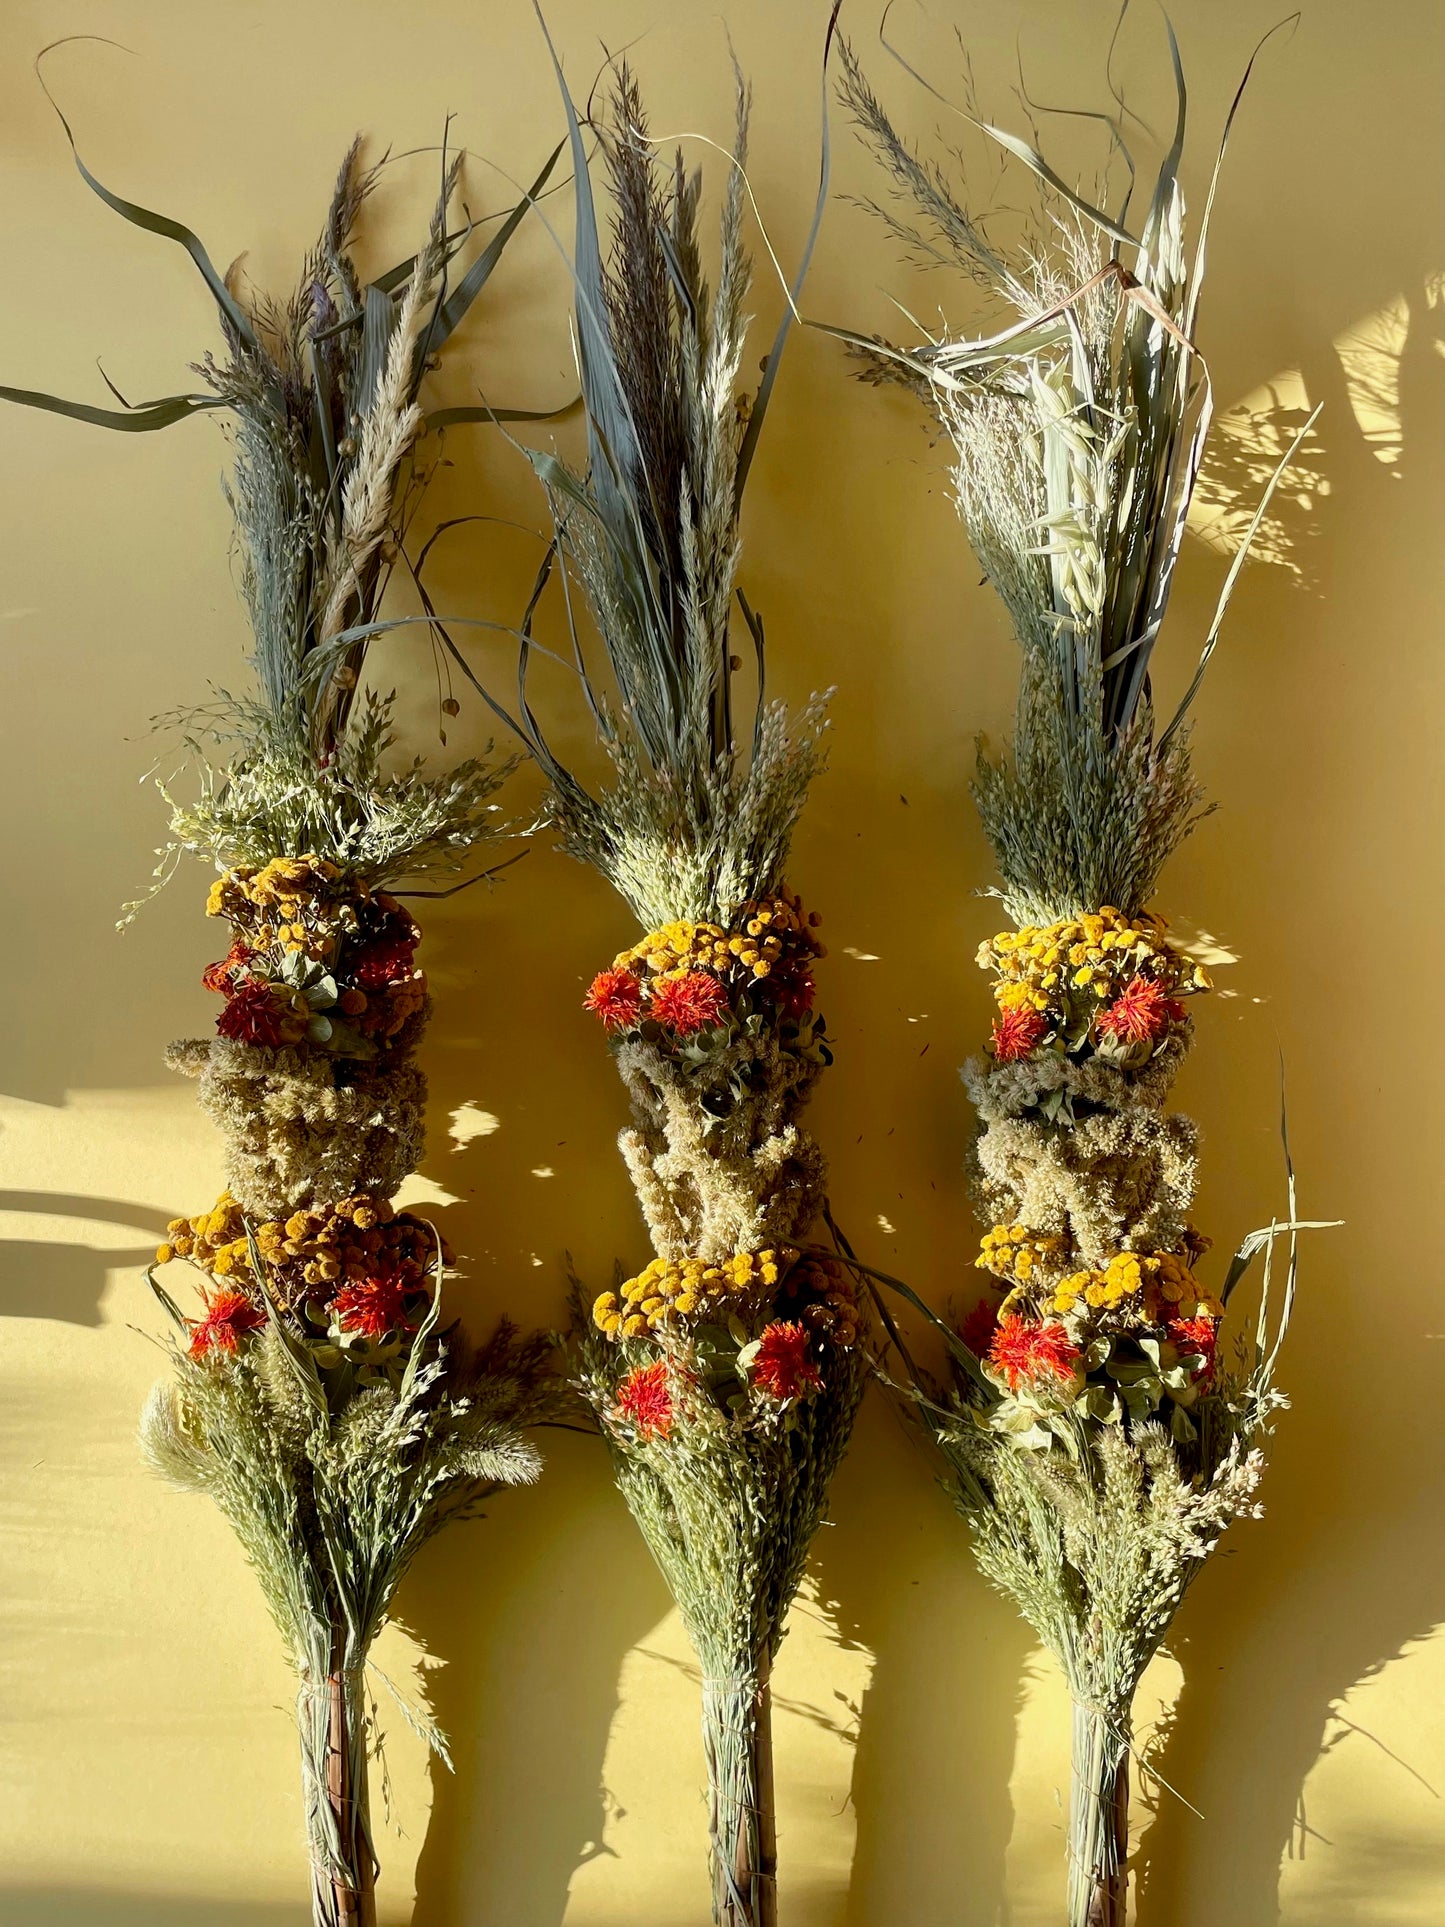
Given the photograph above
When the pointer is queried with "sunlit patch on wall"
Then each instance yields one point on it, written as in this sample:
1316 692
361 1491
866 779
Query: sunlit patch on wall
861 956
1203 945
419 1190
1369 353
884 1225
543 1171
471 1121
1248 442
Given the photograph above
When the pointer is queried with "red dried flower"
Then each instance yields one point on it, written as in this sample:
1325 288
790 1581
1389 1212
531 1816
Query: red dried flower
384 962
375 1305
1141 1012
791 982
616 997
978 1328
1022 1352
1016 1030
1197 1335
230 1315
689 1003
217 976
782 1367
253 1015
644 1398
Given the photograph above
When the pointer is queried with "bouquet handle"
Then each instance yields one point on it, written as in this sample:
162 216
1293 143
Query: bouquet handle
332 1714
742 1823
1099 1816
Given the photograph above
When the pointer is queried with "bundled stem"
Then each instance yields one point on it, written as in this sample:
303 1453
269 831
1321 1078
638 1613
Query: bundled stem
742 1832
313 1397
1099 1816
726 1374
331 1715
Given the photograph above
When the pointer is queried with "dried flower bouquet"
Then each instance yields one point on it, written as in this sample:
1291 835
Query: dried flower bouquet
1099 1437
316 1397
727 1372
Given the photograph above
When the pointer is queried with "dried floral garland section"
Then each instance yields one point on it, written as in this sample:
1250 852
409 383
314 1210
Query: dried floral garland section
718 1043
312 1075
726 1373
312 1394
1099 1437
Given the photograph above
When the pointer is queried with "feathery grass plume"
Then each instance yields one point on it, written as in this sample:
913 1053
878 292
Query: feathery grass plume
1078 428
698 818
337 1438
727 1372
1096 1440
322 391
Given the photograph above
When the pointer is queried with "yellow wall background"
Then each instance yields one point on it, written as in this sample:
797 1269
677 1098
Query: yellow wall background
147 1774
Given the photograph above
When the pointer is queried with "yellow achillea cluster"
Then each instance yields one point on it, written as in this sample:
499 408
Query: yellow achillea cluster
1013 1251
687 1287
293 903
1159 1284
313 1251
768 931
1040 967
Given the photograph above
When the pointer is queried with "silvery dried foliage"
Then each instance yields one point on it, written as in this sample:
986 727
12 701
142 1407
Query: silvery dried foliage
697 819
322 397
1078 421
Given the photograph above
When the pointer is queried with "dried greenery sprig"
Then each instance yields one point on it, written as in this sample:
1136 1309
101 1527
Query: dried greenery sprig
1078 431
323 391
699 816
335 1456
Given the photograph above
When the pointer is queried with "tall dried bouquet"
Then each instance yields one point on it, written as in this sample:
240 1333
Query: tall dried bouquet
315 1397
726 1373
1099 1436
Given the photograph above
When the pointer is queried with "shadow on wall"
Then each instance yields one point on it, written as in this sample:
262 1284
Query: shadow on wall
935 1731
534 1609
95 1907
1329 1590
42 1279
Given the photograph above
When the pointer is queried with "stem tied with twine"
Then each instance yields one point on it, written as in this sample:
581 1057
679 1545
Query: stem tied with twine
1099 1816
742 1818
331 1715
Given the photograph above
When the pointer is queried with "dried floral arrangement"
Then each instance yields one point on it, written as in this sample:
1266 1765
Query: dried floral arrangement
1099 1436
316 1397
726 1374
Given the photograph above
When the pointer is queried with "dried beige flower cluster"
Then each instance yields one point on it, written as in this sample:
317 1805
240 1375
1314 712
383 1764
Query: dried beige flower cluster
293 1133
717 1173
1122 1178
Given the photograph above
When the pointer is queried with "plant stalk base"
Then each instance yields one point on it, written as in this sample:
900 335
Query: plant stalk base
738 1737
1099 1818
